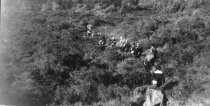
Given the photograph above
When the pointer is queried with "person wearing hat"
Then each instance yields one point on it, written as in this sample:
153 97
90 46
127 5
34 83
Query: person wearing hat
158 78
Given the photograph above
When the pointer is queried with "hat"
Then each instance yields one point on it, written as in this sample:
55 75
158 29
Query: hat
158 72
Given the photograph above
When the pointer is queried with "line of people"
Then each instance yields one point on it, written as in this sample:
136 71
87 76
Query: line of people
134 48
123 43
90 32
124 46
156 74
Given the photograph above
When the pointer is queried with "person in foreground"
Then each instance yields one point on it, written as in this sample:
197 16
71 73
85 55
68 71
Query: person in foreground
154 95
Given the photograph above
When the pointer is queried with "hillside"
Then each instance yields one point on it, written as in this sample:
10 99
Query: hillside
45 60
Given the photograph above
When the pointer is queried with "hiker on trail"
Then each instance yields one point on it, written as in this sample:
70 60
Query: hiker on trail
89 30
151 56
89 27
154 51
147 65
122 43
133 48
148 62
102 43
158 79
138 50
89 33
151 95
113 41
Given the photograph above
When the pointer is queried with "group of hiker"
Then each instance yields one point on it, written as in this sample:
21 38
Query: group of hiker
124 46
135 48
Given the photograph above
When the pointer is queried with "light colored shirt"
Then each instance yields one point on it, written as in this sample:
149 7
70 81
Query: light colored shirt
154 82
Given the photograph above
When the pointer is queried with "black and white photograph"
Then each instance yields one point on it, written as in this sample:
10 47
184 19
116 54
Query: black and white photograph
105 53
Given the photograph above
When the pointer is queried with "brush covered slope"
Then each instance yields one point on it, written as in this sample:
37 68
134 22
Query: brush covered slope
47 61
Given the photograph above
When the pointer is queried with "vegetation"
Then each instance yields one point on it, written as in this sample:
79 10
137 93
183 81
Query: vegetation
46 60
